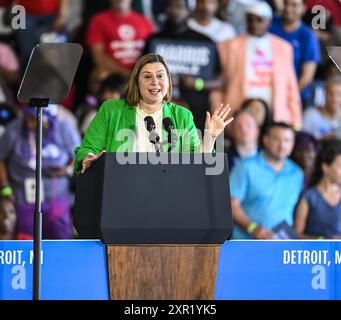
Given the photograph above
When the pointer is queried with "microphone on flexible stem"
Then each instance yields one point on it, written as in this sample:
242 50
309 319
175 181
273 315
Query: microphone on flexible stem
150 124
172 136
154 138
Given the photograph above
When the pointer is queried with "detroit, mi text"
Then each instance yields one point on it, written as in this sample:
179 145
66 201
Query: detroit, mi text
16 257
320 257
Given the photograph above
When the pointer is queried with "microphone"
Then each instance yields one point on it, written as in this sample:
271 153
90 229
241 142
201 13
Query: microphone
172 136
154 138
150 124
168 124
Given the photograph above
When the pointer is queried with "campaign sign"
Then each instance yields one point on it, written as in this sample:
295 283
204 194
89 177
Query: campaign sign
247 270
193 58
70 270
279 270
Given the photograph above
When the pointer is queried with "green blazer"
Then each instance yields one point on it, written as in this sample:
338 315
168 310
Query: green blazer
113 130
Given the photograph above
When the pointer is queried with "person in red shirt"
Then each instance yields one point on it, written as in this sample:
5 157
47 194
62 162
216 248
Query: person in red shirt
116 38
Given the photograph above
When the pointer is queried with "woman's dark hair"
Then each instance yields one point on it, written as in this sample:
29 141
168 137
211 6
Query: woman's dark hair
267 118
330 149
302 141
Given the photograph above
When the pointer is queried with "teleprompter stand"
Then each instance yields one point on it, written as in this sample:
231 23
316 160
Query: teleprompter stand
47 79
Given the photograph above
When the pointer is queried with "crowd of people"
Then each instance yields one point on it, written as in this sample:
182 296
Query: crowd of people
265 58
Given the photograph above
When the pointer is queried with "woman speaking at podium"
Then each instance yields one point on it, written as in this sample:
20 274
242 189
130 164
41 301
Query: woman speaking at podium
121 126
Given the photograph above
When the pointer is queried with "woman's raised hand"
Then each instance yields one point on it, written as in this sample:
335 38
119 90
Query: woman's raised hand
215 123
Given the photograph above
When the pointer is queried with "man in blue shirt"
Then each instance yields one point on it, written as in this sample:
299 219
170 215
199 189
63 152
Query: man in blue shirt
304 41
266 188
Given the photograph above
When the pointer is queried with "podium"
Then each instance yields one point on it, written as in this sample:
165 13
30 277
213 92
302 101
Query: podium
163 219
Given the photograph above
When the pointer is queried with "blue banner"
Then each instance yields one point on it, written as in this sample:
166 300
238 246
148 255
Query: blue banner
279 270
275 270
70 270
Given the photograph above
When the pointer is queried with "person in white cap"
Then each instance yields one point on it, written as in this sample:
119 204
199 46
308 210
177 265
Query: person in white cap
257 64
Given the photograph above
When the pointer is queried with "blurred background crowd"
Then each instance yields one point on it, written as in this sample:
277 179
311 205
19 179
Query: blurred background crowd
267 59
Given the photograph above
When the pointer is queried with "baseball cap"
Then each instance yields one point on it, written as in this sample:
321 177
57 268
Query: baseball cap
260 9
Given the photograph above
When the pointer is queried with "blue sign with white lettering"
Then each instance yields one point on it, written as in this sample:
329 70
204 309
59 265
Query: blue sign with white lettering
246 270
279 270
70 270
